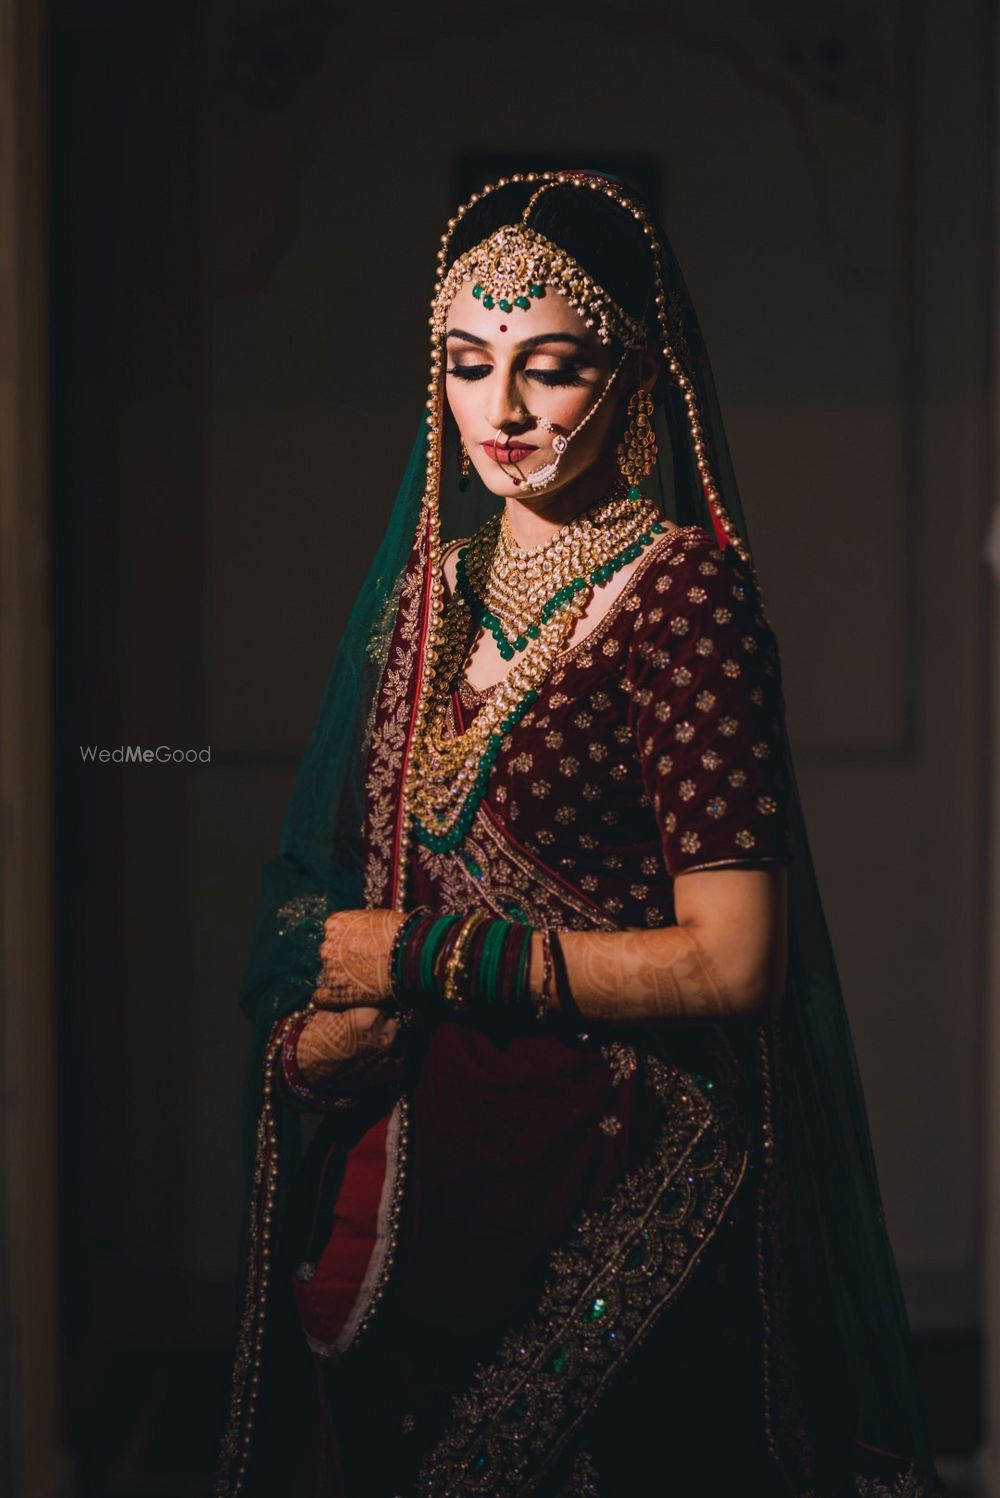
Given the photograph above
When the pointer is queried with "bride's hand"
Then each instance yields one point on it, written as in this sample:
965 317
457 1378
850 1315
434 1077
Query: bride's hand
355 956
346 1036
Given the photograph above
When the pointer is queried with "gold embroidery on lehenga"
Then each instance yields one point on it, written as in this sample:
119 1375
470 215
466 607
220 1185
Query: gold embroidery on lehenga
624 1264
378 646
583 1478
235 1447
622 1059
388 743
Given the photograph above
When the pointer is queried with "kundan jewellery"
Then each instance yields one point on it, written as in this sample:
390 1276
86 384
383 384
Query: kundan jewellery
530 600
515 264
637 449
511 588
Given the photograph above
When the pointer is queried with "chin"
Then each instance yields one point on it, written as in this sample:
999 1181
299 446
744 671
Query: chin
505 488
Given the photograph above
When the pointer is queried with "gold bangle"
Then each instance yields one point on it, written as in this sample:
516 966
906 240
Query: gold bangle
543 1000
454 969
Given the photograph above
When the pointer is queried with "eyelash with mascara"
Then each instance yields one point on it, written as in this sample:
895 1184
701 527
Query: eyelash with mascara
543 376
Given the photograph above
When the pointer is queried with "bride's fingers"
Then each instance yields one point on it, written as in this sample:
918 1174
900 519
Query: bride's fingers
340 1003
330 1040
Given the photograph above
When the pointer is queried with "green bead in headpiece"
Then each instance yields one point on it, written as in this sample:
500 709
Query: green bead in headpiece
515 264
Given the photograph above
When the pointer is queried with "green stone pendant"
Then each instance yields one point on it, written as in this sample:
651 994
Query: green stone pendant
535 290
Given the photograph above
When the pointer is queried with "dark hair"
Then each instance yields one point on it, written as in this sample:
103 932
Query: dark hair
607 240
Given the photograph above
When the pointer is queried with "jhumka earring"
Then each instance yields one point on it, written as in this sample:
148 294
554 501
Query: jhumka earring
464 464
638 448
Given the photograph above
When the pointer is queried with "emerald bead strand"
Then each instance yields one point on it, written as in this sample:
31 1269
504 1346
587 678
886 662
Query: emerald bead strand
508 647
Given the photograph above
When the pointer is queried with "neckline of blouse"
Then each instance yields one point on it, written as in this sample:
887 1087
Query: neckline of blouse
483 694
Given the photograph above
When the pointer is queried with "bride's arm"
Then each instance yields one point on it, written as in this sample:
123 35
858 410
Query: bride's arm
726 955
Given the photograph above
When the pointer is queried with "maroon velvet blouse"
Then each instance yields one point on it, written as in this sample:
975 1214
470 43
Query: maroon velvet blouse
656 744
656 747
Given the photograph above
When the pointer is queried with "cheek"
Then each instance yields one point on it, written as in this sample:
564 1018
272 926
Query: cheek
460 398
565 407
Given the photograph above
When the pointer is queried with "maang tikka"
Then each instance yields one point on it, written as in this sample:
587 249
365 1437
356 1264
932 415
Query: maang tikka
638 448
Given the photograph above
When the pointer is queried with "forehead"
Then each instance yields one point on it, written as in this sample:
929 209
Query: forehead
550 313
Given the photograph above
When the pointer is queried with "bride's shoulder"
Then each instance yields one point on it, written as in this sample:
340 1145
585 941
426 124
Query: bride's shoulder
690 574
681 552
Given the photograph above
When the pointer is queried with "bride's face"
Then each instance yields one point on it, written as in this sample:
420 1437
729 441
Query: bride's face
505 371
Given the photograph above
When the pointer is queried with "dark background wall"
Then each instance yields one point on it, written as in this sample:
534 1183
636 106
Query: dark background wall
245 205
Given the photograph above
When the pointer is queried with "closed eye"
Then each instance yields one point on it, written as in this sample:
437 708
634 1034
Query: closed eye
568 376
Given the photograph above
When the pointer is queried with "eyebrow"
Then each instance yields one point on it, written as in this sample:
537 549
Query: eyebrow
525 342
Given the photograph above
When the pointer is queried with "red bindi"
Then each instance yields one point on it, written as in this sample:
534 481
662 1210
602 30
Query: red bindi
503 327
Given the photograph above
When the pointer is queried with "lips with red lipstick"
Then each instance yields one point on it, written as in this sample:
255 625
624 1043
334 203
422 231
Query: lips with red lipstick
515 452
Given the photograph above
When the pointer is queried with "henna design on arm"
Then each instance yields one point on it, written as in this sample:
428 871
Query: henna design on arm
332 1044
641 975
355 953
350 1034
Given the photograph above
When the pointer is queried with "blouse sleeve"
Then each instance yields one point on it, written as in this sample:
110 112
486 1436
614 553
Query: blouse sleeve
706 704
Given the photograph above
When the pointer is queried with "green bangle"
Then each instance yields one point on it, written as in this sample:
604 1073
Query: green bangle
429 951
489 960
398 945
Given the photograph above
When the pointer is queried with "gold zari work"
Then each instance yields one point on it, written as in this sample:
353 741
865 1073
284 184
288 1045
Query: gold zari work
624 1266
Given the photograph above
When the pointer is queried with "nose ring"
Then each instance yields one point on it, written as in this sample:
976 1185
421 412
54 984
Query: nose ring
559 442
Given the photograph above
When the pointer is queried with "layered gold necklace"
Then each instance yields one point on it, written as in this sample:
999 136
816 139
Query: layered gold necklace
530 599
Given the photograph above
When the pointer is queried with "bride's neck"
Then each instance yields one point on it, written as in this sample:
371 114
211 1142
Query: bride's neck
532 523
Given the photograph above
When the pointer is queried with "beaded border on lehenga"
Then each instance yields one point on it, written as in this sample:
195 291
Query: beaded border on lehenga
624 1265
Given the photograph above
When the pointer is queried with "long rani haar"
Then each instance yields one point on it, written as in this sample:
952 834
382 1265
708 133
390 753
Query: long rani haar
445 825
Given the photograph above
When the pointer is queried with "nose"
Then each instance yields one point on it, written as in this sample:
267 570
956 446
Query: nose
506 411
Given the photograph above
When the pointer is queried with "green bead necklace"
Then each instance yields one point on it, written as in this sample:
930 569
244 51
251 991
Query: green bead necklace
559 599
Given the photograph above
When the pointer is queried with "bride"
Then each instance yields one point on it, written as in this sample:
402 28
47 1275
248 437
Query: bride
590 1206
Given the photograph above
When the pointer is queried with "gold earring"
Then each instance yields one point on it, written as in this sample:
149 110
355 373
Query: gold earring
464 464
638 448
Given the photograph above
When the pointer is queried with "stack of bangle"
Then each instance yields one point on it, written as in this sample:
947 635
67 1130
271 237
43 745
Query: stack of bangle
470 962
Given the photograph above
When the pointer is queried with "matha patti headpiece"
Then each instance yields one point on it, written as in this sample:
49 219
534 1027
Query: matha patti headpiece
513 266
